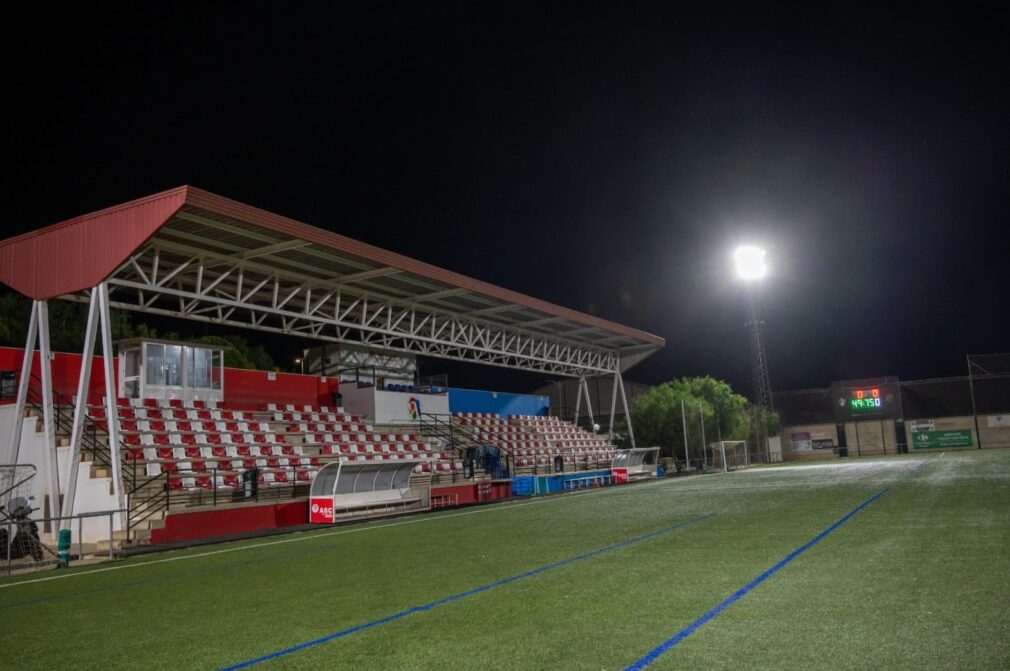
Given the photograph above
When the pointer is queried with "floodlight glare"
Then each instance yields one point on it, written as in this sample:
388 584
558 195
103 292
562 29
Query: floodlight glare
750 263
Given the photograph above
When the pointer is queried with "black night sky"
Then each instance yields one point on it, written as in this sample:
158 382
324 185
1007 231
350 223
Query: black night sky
603 157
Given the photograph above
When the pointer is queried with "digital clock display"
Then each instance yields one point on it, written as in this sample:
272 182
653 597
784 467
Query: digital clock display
865 399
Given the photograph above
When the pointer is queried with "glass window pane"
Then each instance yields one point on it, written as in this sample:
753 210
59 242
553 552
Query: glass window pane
199 368
173 365
155 364
215 372
132 362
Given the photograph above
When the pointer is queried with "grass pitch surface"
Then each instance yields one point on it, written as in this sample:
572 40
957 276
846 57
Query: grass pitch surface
918 579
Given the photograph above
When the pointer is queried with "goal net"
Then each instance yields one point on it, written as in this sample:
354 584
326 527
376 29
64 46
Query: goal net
728 455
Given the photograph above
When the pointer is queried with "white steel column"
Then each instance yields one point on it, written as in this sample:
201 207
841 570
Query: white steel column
578 402
81 408
613 401
589 404
627 413
687 448
111 412
26 375
50 458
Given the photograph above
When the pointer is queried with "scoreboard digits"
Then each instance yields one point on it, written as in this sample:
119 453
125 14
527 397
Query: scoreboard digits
865 399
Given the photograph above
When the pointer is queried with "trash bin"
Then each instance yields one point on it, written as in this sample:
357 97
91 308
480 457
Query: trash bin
559 462
251 482
843 451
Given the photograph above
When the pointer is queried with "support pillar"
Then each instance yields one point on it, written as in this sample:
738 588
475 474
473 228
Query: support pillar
23 382
589 404
80 408
50 458
627 412
112 415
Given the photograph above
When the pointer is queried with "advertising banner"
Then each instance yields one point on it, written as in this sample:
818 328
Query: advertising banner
996 421
920 425
321 510
800 440
620 475
933 439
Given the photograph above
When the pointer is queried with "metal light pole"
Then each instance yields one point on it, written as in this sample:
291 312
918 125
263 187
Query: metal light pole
751 268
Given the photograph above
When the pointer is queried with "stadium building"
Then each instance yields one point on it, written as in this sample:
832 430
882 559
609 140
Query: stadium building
181 447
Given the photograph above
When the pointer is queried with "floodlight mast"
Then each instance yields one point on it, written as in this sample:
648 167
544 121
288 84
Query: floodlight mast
751 268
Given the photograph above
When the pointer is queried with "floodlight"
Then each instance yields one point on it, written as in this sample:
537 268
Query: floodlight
750 263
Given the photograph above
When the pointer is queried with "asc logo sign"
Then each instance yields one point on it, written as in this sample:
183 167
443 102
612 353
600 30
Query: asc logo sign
321 510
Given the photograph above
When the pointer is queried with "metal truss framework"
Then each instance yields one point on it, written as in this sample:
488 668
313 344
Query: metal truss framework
237 290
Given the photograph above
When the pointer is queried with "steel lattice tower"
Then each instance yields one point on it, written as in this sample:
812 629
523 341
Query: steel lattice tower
759 359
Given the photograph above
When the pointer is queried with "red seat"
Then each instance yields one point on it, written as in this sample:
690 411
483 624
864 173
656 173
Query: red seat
193 452
131 439
281 476
231 481
174 484
176 403
179 414
161 439
303 476
204 483
165 453
220 452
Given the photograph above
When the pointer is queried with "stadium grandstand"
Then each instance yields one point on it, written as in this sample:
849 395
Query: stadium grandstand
162 443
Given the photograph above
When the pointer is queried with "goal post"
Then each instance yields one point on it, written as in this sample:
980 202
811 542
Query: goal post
727 455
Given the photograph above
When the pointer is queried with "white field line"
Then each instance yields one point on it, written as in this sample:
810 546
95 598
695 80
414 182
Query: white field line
313 535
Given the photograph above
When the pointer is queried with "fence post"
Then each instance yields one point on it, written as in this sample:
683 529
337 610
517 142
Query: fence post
213 484
110 533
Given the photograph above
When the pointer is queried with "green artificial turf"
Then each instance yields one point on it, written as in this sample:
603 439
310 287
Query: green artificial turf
919 579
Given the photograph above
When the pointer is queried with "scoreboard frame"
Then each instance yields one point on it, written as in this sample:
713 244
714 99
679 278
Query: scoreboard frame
876 399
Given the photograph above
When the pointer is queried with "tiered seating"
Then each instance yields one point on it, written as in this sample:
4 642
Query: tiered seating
205 446
536 440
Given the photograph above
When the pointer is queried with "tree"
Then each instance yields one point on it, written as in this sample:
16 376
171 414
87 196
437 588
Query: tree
239 354
658 419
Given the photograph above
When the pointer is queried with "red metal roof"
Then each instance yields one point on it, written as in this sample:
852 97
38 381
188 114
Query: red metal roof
78 254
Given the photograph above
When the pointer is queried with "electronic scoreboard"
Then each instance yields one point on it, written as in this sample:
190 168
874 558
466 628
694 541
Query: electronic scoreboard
866 399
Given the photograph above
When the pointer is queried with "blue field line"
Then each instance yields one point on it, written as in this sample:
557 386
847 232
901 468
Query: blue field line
663 647
462 595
